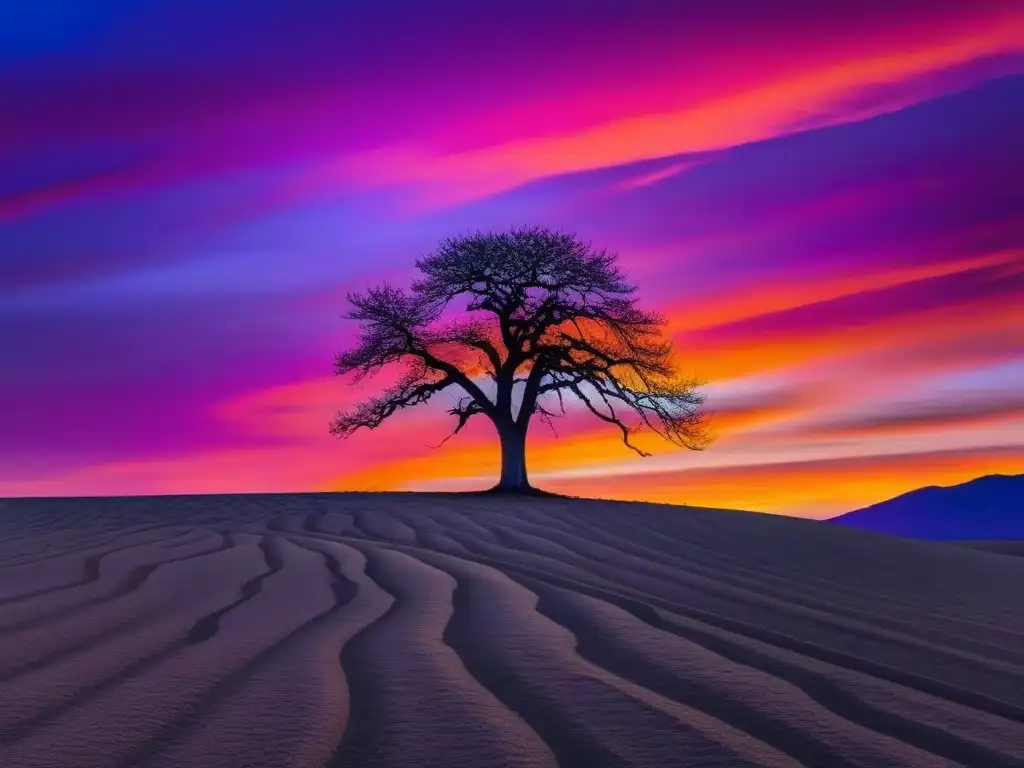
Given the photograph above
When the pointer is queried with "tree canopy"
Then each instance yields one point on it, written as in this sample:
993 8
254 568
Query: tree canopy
521 323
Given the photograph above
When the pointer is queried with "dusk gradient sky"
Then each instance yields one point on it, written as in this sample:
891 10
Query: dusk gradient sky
826 200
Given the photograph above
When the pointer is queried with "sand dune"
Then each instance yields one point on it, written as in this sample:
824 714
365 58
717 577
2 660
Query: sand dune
399 630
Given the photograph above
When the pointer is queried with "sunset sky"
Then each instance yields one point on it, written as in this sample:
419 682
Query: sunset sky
826 200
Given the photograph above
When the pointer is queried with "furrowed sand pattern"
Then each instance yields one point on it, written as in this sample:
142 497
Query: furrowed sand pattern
443 630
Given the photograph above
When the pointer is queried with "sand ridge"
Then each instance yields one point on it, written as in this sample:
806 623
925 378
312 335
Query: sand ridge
444 630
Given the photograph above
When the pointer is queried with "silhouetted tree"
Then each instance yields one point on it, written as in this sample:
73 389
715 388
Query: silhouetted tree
546 317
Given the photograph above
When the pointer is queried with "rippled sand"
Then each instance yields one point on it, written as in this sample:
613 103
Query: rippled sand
438 630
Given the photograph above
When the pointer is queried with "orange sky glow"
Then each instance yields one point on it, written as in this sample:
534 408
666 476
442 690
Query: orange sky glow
826 210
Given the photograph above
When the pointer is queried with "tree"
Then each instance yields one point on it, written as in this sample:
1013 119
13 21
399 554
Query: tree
546 318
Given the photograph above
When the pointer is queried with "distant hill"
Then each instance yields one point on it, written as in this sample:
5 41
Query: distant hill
990 508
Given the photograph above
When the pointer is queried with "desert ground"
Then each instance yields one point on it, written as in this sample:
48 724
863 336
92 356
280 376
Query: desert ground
439 630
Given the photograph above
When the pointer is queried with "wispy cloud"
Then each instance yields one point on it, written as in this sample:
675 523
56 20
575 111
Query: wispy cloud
826 207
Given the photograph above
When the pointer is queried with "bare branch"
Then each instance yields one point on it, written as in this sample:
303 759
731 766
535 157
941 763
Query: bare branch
611 418
464 410
415 388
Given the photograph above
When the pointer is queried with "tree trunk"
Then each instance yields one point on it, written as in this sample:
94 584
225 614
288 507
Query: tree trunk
513 459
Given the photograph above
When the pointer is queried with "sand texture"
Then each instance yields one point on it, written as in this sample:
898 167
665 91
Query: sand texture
435 630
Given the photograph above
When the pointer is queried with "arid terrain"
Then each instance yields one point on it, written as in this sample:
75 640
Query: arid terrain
438 630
